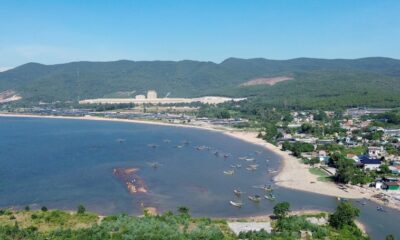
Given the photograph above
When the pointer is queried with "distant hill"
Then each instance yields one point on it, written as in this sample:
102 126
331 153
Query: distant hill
370 79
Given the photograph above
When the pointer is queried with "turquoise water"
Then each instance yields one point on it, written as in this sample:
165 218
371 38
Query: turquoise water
63 163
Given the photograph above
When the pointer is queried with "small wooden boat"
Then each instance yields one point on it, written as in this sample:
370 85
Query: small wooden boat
251 168
236 204
237 192
238 165
270 197
154 164
267 188
242 158
166 140
152 145
121 140
380 209
201 148
255 198
229 172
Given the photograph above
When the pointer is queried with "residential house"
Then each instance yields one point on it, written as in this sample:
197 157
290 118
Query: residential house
369 163
375 152
391 186
353 157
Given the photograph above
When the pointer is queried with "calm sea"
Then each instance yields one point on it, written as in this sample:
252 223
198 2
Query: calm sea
64 163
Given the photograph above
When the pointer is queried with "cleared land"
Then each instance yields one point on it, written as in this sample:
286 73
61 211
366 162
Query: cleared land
267 81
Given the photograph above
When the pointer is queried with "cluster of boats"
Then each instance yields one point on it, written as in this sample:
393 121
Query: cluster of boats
250 165
254 198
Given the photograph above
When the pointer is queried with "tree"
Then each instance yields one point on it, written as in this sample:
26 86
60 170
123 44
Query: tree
183 210
44 209
306 128
27 208
390 237
384 168
344 215
81 209
281 210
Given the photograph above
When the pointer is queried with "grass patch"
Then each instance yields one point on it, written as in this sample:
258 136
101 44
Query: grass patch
322 175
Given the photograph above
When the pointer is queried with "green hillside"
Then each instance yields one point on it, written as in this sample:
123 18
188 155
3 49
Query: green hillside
367 81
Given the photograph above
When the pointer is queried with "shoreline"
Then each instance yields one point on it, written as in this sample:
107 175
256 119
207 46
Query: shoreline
292 173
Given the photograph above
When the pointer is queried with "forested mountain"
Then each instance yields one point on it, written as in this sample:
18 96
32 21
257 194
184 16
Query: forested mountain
367 81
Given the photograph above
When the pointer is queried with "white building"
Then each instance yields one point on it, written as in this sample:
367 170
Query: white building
375 152
140 97
151 94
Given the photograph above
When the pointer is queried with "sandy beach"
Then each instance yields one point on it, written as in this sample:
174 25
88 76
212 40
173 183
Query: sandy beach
293 174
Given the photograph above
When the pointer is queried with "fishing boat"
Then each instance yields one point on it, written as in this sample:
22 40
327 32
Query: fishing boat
255 198
229 172
154 164
238 165
242 158
380 209
236 204
267 188
227 155
201 148
237 192
270 197
179 146
166 140
252 167
249 159
185 142
120 140
152 145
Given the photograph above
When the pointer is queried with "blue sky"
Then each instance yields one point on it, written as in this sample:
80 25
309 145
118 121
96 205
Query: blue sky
49 32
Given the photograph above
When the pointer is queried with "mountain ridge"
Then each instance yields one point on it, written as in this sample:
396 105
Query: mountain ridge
189 78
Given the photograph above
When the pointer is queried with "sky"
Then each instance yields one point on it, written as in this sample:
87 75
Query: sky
51 32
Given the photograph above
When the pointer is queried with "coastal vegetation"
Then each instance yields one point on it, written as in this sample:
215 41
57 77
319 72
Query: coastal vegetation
60 225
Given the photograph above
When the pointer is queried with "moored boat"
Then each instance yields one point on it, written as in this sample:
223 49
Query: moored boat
236 204
255 198
229 172
237 192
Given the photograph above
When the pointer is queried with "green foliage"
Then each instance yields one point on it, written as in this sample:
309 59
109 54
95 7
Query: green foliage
167 226
344 215
81 209
298 147
318 83
281 210
390 237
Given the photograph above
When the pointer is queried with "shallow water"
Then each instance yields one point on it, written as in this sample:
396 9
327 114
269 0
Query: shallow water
63 163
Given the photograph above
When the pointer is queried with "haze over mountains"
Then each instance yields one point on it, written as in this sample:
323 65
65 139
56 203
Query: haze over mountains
370 79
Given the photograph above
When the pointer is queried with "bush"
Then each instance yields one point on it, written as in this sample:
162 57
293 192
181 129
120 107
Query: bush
81 209
344 215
